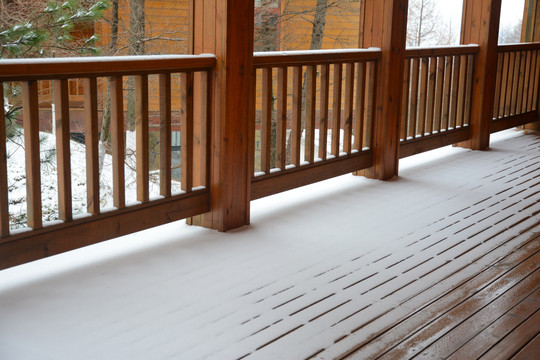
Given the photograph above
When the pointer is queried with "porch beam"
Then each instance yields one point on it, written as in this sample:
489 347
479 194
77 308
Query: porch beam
480 25
225 28
383 24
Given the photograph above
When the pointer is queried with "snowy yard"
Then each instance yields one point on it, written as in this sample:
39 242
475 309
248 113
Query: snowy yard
316 267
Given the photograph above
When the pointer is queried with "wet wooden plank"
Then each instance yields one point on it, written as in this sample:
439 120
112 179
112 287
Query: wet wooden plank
118 143
530 351
141 135
63 158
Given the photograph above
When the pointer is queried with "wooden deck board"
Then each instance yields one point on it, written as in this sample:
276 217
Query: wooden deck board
459 275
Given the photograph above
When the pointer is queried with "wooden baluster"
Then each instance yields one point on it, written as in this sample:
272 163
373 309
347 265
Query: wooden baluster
526 82
31 148
405 100
533 80
186 124
118 143
515 83
534 104
431 94
468 91
454 92
296 131
461 85
336 108
4 201
141 128
91 142
165 142
360 105
439 94
61 109
520 83
281 120
323 119
311 89
370 103
204 128
498 86
445 123
266 121
510 85
413 111
349 103
504 84
423 96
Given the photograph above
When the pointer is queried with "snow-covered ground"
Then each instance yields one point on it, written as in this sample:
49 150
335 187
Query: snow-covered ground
185 292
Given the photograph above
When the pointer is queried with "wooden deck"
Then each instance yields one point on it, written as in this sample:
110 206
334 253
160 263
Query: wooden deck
443 262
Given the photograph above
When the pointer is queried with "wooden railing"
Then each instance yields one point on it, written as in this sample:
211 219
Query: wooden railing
314 116
40 239
436 101
516 91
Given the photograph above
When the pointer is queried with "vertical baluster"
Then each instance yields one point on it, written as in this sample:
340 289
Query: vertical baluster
165 131
510 85
323 120
281 125
348 118
526 82
186 125
533 78
454 92
360 106
31 147
117 137
4 207
497 97
423 97
91 142
439 94
534 104
61 107
431 94
461 85
515 83
266 122
370 103
468 90
405 102
296 131
447 94
311 88
504 84
413 112
141 128
520 83
336 108
206 109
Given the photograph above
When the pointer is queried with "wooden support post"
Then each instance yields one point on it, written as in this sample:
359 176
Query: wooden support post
225 28
480 25
383 24
530 32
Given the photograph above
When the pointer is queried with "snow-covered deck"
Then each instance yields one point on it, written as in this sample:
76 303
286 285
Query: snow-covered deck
428 262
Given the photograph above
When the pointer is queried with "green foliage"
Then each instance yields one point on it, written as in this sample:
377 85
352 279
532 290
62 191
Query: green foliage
51 31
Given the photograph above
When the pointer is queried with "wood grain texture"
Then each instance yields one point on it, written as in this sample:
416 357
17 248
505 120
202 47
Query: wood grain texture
117 141
186 124
91 143
4 207
165 143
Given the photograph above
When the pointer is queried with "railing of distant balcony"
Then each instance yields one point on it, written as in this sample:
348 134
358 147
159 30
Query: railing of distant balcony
516 90
314 116
436 100
40 239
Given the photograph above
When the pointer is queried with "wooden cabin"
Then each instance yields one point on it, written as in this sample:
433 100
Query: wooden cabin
322 114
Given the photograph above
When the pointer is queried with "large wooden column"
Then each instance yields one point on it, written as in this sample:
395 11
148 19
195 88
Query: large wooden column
225 28
531 33
383 24
480 25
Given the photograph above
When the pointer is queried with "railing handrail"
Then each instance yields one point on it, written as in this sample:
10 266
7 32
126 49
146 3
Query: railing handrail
415 52
61 68
314 57
518 47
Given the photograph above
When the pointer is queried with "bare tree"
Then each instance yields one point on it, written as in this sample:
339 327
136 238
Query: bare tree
510 34
425 25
